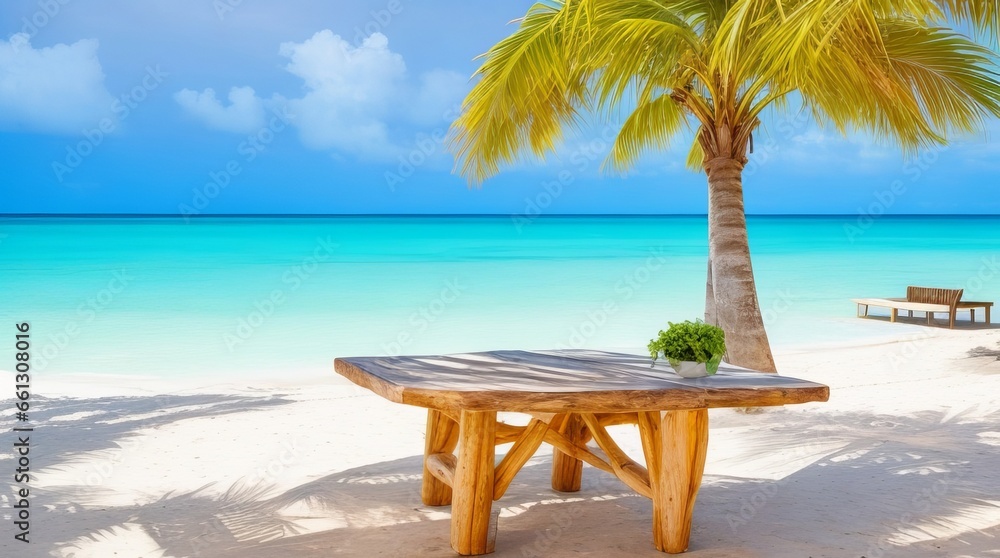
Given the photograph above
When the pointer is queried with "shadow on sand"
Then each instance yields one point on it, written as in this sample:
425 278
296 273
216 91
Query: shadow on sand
890 482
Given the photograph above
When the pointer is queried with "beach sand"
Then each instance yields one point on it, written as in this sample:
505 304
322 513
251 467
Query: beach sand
904 460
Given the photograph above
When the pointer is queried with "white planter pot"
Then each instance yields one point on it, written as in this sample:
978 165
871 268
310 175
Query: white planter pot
689 369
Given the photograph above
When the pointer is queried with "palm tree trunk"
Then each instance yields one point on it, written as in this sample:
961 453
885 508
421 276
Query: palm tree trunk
711 317
732 287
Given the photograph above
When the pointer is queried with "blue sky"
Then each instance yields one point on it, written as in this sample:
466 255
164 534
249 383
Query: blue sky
253 106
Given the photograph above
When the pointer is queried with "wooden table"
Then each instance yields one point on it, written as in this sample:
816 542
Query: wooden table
572 396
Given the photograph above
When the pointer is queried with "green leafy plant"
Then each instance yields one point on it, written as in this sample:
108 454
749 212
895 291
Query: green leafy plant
690 341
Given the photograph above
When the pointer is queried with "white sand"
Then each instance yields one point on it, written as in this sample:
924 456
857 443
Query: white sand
904 460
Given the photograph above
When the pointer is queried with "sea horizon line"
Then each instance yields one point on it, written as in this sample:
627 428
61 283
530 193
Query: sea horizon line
433 215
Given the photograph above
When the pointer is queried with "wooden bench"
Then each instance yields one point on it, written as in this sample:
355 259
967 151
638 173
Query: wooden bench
923 299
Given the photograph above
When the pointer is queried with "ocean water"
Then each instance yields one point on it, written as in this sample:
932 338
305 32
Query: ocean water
281 297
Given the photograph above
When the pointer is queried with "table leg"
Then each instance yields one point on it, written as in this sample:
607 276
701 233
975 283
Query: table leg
987 315
472 531
441 437
675 444
567 471
972 315
893 312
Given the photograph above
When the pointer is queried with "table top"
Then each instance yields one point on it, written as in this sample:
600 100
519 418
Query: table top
973 303
569 380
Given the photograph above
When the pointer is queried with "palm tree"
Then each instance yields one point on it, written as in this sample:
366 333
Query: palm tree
891 68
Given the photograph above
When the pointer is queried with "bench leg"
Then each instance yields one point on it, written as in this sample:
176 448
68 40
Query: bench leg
987 315
972 315
930 318
893 312
567 471
951 319
909 313
675 444
441 437
473 529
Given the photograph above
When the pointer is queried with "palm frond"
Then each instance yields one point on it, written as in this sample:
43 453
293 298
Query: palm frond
696 157
948 75
981 15
643 52
650 126
530 88
893 68
896 78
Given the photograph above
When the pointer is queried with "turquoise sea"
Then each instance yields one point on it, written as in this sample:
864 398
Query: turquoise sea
281 297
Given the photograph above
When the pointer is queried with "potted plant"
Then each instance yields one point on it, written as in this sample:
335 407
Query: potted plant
693 349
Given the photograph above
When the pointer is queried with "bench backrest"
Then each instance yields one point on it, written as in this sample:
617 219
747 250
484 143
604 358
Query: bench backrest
929 295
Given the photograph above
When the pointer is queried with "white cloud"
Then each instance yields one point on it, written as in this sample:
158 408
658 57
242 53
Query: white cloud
57 89
438 96
358 99
245 113
349 92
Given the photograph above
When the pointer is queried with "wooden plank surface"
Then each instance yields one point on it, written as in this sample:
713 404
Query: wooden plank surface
901 303
566 380
972 304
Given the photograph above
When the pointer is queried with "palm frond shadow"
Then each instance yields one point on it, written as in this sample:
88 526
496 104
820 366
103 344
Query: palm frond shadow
906 479
66 430
105 423
979 352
